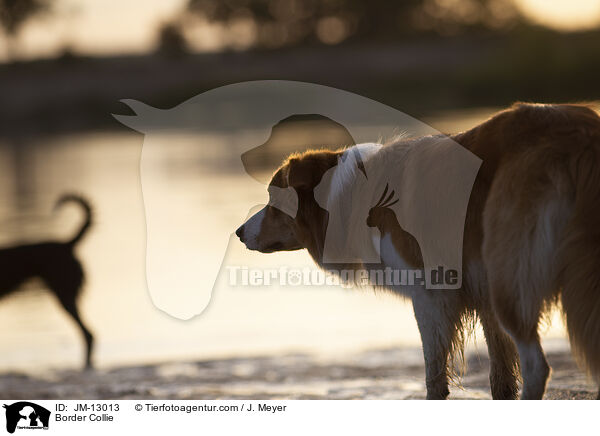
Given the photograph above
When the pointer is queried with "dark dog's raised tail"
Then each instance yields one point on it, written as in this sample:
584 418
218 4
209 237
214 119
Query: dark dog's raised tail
73 198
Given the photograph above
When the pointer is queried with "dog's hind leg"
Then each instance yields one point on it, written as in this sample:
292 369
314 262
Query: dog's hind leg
520 318
519 263
504 368
535 368
518 293
66 292
526 213
438 318
71 307
66 283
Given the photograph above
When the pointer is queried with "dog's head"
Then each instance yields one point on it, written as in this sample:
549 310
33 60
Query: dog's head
271 229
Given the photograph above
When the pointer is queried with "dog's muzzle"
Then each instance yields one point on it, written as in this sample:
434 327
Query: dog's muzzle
240 233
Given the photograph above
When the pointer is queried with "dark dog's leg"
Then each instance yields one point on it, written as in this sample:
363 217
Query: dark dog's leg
438 318
503 359
65 282
71 307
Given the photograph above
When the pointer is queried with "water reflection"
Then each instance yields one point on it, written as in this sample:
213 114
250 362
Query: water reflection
105 167
115 302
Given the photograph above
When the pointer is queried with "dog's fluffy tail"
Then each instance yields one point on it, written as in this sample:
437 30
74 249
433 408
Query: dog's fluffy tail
579 257
72 198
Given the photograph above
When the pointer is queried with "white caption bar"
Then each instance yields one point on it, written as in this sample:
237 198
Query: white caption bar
363 418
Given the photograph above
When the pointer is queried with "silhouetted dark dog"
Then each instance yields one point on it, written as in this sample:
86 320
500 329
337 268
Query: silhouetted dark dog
55 264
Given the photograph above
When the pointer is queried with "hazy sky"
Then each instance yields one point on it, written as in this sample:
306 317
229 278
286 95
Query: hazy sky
129 26
97 26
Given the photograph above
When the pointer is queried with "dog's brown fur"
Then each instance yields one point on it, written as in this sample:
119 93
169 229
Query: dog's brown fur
532 230
541 227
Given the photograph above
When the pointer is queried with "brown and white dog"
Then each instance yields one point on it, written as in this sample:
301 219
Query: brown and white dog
531 239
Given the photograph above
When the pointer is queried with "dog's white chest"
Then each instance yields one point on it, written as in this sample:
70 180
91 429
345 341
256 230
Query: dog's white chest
388 253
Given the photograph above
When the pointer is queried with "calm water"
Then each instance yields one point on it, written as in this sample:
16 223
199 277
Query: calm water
115 302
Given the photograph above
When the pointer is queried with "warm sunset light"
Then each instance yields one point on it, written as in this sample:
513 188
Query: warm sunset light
562 14
209 208
82 25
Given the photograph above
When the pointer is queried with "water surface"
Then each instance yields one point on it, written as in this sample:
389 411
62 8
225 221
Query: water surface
240 321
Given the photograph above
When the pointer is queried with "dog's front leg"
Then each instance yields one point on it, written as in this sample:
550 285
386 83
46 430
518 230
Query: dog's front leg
438 317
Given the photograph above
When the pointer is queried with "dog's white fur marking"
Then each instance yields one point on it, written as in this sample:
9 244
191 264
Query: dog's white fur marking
390 256
534 272
427 174
346 171
394 260
252 229
346 193
534 368
429 313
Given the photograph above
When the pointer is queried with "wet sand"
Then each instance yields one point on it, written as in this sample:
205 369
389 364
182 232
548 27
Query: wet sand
377 374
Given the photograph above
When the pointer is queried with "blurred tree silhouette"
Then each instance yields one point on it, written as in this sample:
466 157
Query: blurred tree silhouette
14 13
278 23
171 41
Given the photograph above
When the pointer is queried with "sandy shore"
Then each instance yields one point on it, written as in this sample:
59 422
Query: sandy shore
375 374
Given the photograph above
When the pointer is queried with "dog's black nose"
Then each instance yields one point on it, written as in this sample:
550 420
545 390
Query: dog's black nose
240 233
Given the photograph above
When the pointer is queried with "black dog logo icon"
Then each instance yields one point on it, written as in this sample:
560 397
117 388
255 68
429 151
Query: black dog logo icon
25 414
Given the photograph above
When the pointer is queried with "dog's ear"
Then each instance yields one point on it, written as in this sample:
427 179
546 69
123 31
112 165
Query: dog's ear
300 173
306 172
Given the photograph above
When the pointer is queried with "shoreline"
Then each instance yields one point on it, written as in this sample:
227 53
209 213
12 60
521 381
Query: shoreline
389 373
